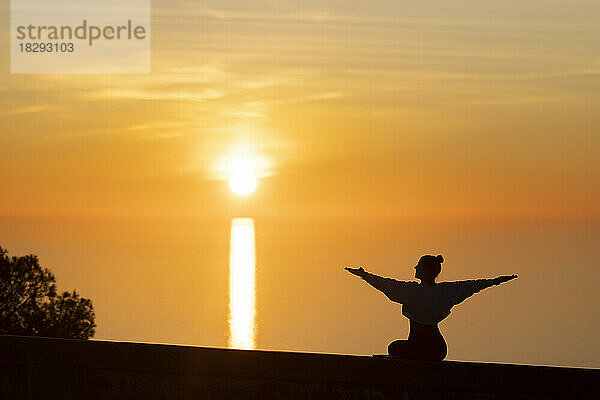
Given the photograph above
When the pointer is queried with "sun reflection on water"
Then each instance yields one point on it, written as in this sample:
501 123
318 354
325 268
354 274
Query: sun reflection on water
241 285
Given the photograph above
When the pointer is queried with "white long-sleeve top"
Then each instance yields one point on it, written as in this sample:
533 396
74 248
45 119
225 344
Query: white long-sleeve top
423 303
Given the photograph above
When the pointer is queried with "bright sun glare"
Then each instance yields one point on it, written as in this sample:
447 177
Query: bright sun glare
243 177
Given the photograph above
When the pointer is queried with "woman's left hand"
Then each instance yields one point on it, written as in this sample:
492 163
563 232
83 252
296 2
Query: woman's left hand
505 278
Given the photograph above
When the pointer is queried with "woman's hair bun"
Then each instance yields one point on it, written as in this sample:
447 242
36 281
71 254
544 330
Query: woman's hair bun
439 258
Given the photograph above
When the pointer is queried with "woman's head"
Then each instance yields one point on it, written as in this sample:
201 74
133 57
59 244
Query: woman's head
429 267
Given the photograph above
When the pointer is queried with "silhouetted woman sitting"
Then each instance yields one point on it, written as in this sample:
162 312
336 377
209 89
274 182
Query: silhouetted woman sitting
425 304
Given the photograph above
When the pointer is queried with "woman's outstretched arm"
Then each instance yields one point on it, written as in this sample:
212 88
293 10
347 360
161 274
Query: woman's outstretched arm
392 288
464 289
376 281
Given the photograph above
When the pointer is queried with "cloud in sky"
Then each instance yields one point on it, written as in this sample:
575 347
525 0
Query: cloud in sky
313 85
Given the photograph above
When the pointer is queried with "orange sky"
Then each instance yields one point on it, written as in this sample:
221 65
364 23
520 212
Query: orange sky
388 130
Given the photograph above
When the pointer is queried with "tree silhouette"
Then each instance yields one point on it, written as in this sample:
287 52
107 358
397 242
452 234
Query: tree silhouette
30 305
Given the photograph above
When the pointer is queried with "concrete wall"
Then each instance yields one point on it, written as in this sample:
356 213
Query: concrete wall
40 368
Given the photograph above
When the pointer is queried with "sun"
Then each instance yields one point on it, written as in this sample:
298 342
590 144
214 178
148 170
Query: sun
243 178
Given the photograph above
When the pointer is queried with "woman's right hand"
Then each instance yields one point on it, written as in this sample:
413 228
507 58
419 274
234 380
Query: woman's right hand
356 271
